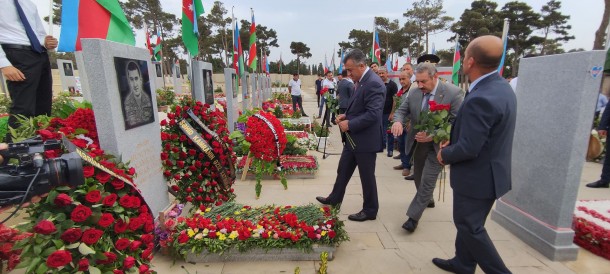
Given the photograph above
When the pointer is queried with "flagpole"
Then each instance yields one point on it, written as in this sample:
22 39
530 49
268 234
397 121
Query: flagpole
505 42
51 17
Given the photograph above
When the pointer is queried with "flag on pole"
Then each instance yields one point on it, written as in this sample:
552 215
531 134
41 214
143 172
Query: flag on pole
433 49
267 65
238 58
408 57
375 51
158 48
148 46
332 63
76 23
388 63
341 61
253 59
191 10
395 68
505 42
325 65
457 63
279 64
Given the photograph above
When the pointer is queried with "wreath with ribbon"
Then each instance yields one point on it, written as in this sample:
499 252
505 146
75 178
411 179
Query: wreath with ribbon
197 155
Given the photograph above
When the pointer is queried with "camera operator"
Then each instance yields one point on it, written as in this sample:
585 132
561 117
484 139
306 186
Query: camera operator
35 199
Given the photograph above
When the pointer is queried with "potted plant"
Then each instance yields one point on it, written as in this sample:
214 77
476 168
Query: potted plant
165 97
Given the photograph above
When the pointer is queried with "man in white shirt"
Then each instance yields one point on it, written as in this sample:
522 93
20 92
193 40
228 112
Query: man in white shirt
23 59
328 85
294 87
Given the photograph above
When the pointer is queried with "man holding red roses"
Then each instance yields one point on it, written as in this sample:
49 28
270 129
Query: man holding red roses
420 144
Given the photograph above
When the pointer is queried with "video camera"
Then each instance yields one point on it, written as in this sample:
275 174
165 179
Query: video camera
32 174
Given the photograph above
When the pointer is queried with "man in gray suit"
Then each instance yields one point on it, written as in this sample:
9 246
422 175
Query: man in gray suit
426 166
345 90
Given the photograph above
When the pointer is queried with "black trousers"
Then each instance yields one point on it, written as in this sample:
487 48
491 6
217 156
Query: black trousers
297 100
365 161
33 96
472 243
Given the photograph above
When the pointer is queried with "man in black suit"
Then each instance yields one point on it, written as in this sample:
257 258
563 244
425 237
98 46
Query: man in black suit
602 130
362 121
345 90
480 157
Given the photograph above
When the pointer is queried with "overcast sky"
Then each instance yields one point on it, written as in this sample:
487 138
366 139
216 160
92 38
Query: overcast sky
323 24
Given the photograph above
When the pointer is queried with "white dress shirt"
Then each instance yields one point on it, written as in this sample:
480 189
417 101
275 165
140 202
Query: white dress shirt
295 87
11 28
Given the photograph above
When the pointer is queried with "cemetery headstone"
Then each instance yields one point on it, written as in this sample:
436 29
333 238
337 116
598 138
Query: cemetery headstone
202 85
177 76
158 76
127 129
231 90
83 75
67 75
554 116
246 95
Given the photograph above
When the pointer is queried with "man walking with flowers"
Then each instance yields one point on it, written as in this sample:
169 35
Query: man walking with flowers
429 93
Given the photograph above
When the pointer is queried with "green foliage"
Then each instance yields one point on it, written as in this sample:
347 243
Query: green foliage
165 97
218 90
64 105
293 126
481 19
429 16
301 50
5 104
293 147
277 112
436 124
318 130
323 263
28 127
241 146
552 21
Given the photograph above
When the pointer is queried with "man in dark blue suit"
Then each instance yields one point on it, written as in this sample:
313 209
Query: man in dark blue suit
480 157
602 129
362 121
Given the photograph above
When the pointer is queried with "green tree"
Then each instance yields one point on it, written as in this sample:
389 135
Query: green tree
523 20
221 38
600 34
553 22
481 19
446 56
429 16
266 38
358 39
56 13
301 51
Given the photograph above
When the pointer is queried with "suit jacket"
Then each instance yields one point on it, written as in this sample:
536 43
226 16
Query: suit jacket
482 140
411 107
345 90
604 123
364 113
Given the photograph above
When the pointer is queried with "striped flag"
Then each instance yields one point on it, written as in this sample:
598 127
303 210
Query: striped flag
505 42
76 23
375 51
395 68
191 10
253 59
158 48
388 63
238 58
148 46
325 65
341 62
457 63
408 57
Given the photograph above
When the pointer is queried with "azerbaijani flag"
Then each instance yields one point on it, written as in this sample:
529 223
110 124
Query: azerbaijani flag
408 57
267 65
157 49
148 46
395 68
252 62
102 19
238 58
457 63
388 63
325 65
501 66
191 10
375 51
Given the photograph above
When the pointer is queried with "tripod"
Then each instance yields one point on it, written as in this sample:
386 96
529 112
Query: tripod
325 128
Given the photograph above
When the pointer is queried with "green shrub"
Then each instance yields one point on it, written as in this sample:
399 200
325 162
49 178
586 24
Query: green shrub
165 97
5 104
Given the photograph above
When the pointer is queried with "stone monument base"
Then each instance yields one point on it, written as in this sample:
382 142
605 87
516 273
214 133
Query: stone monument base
259 254
556 243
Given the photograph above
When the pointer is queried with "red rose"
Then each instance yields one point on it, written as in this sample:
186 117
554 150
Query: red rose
148 238
146 255
80 213
93 196
45 134
183 238
59 258
88 171
135 202
83 264
129 262
103 177
143 268
110 258
80 143
118 184
116 271
332 234
71 235
131 171
122 243
92 235
135 245
125 201
62 200
135 223
110 199
106 220
120 226
45 227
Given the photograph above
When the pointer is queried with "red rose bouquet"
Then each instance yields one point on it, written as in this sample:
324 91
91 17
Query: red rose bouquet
192 176
435 122
9 255
85 228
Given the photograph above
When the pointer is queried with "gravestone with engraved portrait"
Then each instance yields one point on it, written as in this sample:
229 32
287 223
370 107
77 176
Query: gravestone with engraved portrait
202 86
177 76
246 91
66 75
231 94
158 75
124 103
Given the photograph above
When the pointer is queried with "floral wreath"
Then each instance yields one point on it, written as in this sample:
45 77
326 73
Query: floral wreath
101 226
192 176
267 139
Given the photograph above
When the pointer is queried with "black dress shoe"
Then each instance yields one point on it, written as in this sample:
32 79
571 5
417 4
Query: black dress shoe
410 225
598 184
410 177
431 204
390 153
444 265
360 217
323 200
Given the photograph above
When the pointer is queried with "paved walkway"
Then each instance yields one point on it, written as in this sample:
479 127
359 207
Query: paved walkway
382 246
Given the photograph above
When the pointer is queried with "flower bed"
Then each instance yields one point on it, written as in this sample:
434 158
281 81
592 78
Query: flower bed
237 228
294 167
8 238
591 225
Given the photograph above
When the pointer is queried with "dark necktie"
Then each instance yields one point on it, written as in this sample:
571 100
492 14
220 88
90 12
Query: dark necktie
426 99
28 29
